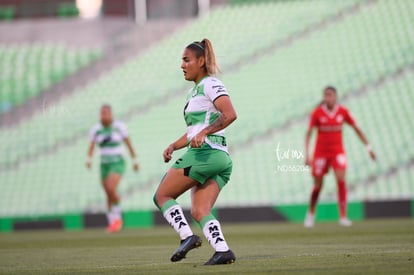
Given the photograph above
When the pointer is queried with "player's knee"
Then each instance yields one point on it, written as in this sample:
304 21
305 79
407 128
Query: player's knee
195 214
108 191
108 194
157 198
199 212
160 198
113 197
112 191
318 181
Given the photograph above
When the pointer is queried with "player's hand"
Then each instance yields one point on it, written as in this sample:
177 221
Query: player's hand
168 153
198 140
372 155
308 161
136 167
88 165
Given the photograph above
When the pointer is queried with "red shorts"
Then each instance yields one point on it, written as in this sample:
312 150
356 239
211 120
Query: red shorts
321 163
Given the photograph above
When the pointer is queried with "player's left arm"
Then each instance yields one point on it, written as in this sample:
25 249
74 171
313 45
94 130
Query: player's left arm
132 153
364 140
227 116
351 121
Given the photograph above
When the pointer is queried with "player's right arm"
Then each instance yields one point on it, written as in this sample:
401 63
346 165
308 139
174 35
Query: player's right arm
308 135
92 136
90 154
176 145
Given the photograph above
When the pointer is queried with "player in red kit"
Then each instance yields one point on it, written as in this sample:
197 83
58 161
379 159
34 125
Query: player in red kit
328 119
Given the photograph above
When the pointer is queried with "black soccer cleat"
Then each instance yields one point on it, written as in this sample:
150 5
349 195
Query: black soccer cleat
186 245
226 257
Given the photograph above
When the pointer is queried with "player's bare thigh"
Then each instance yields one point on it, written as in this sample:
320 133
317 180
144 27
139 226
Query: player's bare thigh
339 165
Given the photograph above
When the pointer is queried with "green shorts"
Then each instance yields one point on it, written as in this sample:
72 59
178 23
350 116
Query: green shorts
206 163
117 167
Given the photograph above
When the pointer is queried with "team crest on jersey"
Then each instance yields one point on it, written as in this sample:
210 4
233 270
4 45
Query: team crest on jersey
339 118
106 139
196 92
323 120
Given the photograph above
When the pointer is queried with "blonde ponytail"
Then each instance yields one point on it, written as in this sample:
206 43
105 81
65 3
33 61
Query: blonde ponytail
211 64
205 48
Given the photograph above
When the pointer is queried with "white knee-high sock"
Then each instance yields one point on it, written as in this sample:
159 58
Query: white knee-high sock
116 212
212 230
174 215
110 217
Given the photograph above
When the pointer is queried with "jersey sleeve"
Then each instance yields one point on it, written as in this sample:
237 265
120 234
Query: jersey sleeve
92 134
313 119
123 129
349 118
215 89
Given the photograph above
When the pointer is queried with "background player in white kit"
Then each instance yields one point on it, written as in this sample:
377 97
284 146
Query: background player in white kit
110 135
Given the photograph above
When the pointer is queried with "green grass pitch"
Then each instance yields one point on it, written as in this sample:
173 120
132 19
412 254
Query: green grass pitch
368 247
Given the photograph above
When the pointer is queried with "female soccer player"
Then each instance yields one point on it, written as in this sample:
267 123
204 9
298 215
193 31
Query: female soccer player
328 118
206 166
109 134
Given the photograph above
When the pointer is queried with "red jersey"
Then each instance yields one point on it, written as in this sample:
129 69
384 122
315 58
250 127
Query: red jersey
329 125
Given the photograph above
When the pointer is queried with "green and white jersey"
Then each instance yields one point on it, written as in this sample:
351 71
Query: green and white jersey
200 112
110 140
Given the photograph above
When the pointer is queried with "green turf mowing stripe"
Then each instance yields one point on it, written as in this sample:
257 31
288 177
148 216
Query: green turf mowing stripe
138 219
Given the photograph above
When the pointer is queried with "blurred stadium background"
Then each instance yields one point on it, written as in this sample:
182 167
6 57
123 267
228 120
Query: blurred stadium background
61 60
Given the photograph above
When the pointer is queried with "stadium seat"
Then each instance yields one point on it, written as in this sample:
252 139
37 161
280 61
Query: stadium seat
27 70
7 13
